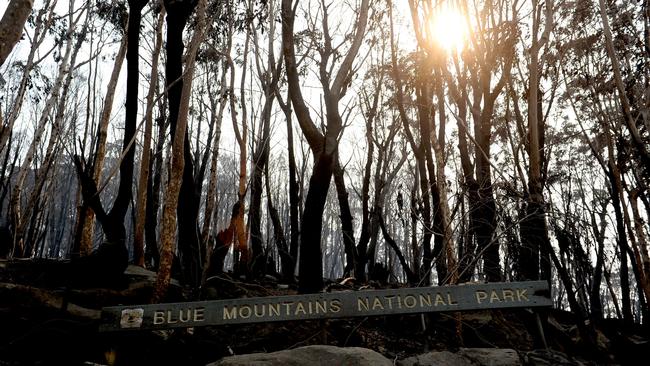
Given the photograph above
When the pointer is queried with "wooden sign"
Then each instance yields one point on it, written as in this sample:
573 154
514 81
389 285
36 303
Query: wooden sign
328 305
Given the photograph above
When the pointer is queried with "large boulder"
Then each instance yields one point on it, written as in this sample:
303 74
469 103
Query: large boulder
550 358
466 357
491 356
444 358
310 356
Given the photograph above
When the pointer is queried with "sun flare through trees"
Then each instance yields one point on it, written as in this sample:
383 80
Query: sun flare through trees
419 142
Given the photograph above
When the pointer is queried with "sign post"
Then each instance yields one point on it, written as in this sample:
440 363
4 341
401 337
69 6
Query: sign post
344 304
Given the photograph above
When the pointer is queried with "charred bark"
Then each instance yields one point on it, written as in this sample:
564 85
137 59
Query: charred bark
410 276
178 13
622 248
311 265
324 146
287 262
347 228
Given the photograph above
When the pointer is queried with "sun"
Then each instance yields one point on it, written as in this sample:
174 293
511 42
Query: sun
449 28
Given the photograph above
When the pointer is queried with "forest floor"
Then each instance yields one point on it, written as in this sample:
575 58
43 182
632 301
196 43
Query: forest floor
45 321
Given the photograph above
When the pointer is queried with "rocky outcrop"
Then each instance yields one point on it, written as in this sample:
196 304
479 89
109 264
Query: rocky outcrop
542 357
354 356
492 357
466 357
435 358
310 356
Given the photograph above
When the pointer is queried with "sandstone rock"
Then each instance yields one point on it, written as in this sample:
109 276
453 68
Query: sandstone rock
478 317
466 357
310 356
542 357
491 356
354 356
444 358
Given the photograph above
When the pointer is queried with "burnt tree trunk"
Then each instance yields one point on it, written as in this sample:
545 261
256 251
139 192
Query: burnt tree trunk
411 277
364 238
622 248
114 227
177 170
286 260
599 233
268 78
486 207
111 258
311 265
260 161
178 13
294 199
347 227
145 165
324 146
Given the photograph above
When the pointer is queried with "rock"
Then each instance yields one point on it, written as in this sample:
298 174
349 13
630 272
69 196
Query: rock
444 358
478 317
466 357
138 272
329 355
491 356
308 356
540 357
